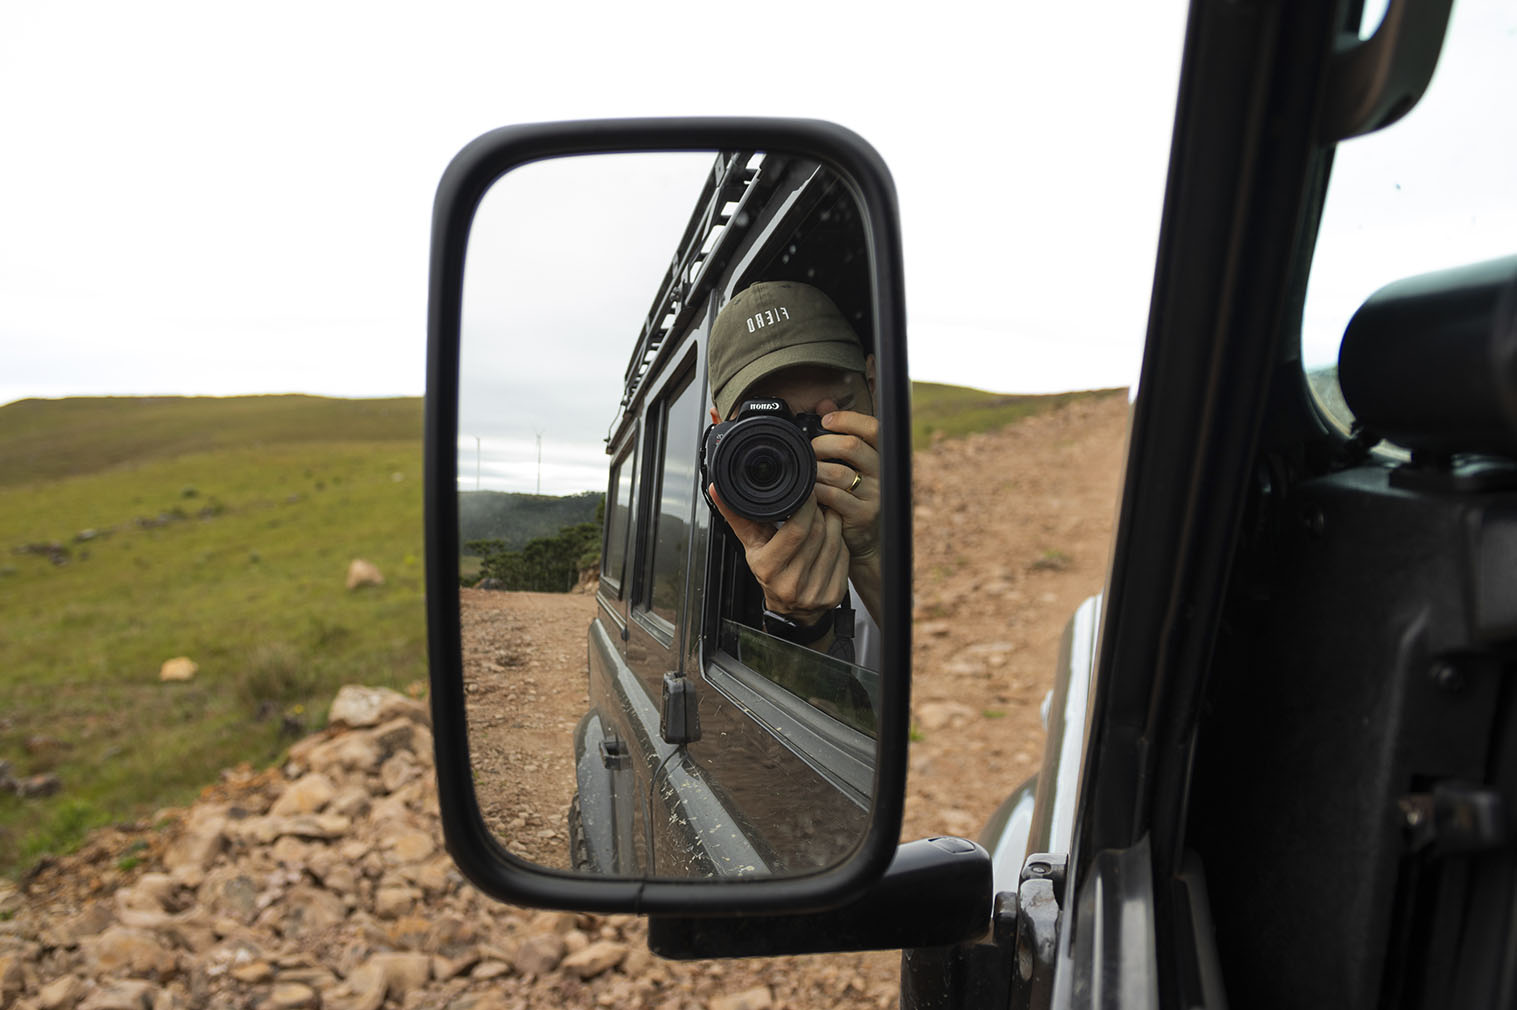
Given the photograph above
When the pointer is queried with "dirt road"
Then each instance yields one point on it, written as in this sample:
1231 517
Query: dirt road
524 684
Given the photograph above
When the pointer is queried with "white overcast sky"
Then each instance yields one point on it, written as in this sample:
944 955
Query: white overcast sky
229 198
234 198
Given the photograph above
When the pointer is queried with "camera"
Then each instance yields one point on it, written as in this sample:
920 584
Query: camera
761 461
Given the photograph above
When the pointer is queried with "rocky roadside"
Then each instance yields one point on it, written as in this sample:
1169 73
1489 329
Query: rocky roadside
325 884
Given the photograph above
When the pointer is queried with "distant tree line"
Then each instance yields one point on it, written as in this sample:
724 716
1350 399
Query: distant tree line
546 564
516 519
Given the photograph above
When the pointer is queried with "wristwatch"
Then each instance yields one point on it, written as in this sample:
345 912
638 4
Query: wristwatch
791 630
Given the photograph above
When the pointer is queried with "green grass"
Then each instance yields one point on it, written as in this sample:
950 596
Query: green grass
939 411
246 577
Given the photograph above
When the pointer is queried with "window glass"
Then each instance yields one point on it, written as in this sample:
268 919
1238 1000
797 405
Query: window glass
1431 192
676 489
848 693
620 497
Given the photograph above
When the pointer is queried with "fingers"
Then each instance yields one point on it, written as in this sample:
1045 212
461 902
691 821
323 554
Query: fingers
817 573
828 577
753 535
841 476
852 440
850 422
854 508
803 566
792 545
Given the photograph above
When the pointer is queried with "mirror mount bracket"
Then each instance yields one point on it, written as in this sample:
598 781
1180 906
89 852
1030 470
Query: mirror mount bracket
1373 83
937 892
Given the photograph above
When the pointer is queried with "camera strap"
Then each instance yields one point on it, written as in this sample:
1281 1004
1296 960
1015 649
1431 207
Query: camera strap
842 631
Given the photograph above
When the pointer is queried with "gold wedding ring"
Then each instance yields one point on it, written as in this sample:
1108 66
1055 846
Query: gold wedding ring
857 477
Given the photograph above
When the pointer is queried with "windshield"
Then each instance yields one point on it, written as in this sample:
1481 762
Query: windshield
1436 190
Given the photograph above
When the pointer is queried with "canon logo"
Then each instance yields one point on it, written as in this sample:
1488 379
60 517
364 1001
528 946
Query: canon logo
771 405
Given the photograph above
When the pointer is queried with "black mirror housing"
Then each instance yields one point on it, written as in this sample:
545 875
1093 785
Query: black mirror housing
478 853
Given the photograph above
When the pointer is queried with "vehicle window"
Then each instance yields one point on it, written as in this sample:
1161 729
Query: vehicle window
673 499
1431 192
618 514
846 692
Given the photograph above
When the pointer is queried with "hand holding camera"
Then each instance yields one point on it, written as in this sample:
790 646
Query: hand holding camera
803 524
763 459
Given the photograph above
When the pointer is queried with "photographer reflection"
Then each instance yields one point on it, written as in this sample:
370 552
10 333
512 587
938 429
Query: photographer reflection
818 569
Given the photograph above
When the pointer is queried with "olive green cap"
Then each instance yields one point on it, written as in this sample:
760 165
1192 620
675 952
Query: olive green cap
772 325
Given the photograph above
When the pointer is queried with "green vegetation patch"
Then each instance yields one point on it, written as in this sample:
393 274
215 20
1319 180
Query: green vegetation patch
107 574
515 519
939 411
549 564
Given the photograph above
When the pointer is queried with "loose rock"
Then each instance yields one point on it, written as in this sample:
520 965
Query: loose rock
306 795
539 954
124 995
596 958
291 996
177 669
357 706
61 993
122 950
757 998
363 573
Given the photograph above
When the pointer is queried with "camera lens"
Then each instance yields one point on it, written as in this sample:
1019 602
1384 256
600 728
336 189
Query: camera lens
763 467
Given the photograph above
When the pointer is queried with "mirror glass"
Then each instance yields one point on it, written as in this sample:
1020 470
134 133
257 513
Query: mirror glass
668 500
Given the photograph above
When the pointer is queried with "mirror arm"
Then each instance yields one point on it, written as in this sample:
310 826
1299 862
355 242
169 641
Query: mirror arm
1374 82
937 891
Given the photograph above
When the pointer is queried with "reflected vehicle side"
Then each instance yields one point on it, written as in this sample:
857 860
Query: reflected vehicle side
731 721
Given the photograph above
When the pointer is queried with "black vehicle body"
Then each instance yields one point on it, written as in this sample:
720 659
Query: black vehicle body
676 715
1296 762
1281 759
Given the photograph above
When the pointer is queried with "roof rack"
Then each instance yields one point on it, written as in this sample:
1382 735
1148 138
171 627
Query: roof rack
738 182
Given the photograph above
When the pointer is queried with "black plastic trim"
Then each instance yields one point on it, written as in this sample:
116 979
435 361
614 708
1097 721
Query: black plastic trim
936 893
478 854
1373 83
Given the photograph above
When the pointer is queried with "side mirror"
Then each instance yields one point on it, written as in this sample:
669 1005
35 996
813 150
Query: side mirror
644 698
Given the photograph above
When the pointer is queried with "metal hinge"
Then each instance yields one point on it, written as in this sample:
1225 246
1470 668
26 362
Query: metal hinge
1454 817
613 753
1040 898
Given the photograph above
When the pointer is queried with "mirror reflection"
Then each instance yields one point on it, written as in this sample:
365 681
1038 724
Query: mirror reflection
668 504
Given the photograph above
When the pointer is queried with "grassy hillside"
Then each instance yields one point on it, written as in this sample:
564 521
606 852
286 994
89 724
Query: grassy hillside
232 552
939 411
48 439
